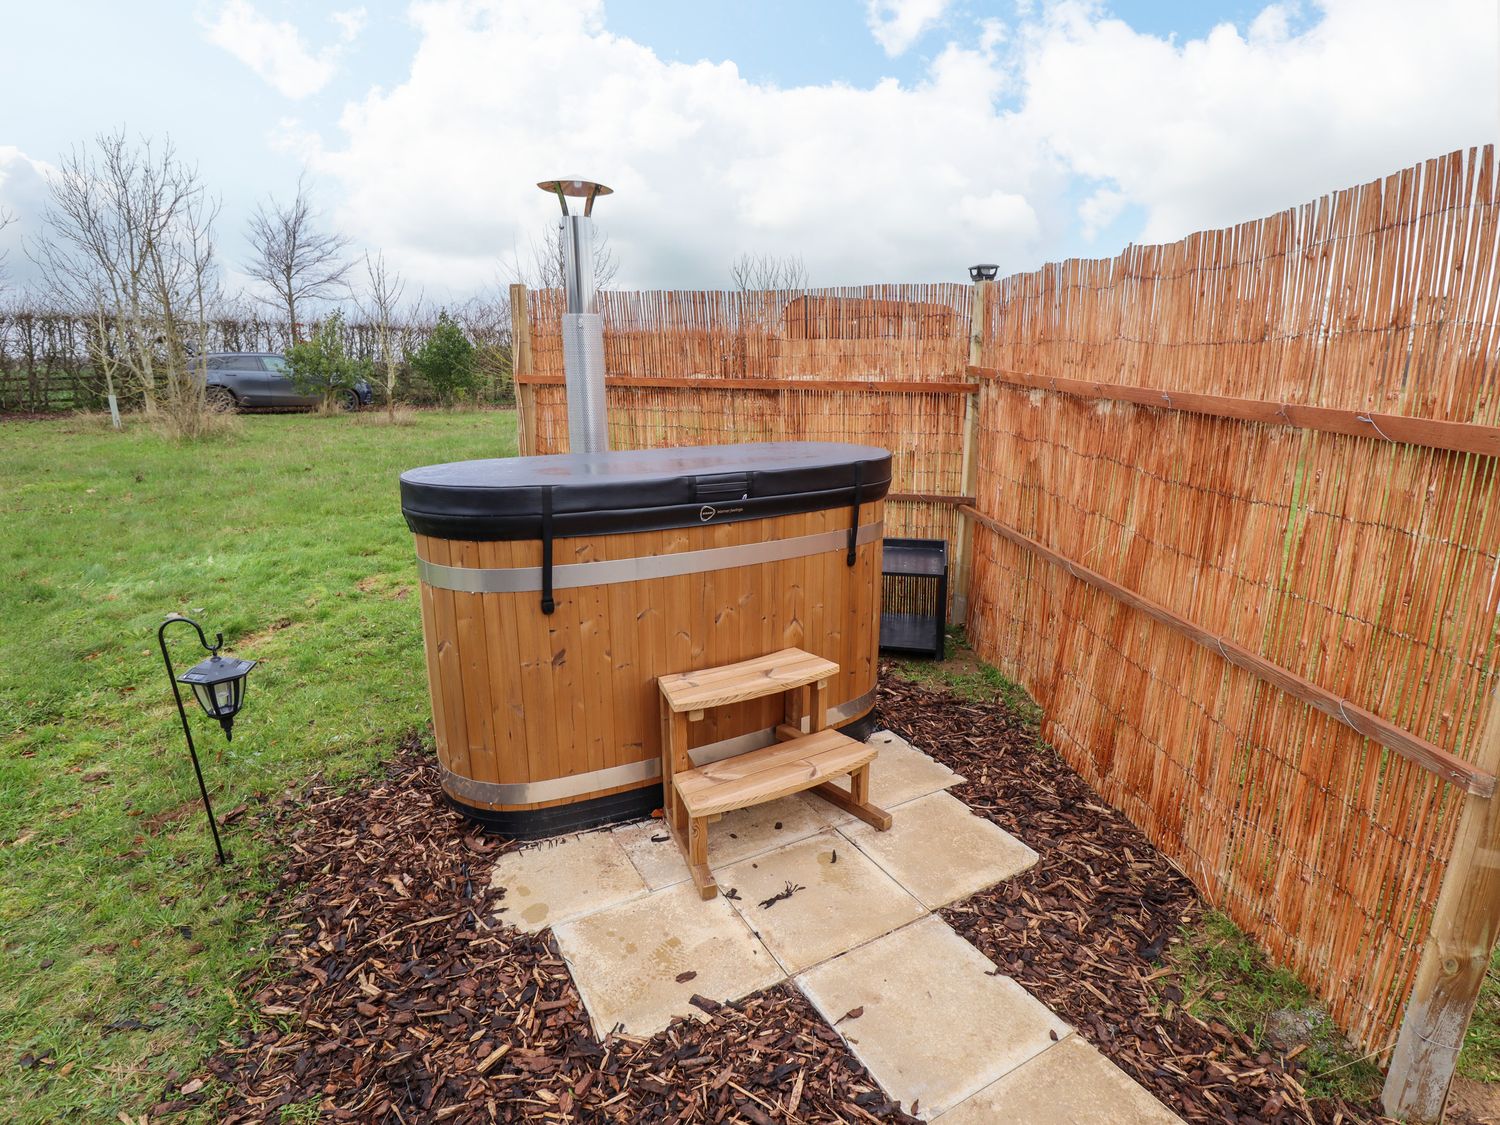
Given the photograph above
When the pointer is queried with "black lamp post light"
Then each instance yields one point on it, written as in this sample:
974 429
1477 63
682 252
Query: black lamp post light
218 683
985 271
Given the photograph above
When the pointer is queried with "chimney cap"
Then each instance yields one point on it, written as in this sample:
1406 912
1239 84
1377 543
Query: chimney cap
578 188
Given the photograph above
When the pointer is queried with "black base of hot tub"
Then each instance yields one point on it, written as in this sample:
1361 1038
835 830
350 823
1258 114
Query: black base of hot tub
535 824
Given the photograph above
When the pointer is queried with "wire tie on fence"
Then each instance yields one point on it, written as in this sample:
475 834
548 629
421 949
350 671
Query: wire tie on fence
1370 418
1283 415
1167 398
1347 720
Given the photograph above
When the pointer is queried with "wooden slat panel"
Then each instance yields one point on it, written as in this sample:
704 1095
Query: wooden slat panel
776 771
745 680
577 691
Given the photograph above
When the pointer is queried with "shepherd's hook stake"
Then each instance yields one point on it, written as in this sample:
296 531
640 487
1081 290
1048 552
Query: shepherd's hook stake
187 731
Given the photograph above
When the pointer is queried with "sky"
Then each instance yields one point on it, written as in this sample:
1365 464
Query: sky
879 140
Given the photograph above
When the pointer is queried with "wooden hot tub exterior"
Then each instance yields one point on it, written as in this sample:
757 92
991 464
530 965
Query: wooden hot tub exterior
547 722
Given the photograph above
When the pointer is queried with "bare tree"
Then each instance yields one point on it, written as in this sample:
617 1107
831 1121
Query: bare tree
128 244
6 218
543 267
383 292
779 272
293 258
485 318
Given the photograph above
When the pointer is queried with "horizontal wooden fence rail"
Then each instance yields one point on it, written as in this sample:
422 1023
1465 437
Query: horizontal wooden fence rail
1461 437
1430 757
717 383
929 498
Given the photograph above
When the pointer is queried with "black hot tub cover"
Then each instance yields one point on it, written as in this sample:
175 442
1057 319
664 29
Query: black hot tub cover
639 490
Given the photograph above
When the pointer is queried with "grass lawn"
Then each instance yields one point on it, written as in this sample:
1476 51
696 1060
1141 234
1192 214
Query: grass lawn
122 938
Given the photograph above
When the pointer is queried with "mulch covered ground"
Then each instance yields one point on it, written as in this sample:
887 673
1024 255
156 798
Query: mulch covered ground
392 995
1084 929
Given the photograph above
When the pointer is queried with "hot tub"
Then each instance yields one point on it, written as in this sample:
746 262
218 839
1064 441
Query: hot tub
555 590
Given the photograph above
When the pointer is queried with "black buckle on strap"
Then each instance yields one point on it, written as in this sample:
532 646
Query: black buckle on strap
859 473
548 605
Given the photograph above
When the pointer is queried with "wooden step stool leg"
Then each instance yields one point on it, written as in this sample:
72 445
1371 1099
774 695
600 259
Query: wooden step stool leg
856 799
697 857
690 832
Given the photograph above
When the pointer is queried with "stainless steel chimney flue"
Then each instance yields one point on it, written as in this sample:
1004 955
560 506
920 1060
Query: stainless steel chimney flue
582 328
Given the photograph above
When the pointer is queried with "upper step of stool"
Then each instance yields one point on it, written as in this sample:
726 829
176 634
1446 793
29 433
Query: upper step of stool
749 679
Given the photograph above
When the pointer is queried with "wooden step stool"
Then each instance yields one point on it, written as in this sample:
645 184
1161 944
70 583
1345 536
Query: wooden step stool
795 762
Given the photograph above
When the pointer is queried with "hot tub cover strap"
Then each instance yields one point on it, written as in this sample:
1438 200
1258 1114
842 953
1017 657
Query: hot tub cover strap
548 605
859 479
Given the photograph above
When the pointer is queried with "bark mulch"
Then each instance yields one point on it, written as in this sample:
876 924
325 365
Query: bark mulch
1085 928
392 995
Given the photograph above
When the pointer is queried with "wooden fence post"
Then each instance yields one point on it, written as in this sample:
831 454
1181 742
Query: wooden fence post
1456 956
520 364
964 534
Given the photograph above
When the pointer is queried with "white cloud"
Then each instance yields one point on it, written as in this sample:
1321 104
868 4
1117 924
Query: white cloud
275 49
1232 126
1099 210
23 197
897 24
1017 143
351 22
864 183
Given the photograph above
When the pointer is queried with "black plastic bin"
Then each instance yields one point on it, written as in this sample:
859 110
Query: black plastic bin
914 596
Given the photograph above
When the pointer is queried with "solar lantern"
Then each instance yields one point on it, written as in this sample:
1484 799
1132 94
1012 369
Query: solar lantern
984 271
218 684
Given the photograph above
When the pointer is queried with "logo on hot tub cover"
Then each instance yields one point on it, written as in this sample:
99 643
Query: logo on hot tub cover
707 512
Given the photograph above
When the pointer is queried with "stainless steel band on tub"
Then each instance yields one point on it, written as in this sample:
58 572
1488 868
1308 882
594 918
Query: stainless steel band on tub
558 788
521 579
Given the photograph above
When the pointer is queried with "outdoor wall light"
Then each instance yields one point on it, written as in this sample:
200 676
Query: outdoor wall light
985 271
218 683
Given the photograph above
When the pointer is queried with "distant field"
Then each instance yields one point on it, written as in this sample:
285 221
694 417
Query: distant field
121 936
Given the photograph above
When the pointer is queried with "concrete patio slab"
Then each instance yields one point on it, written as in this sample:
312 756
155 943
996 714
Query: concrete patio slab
846 899
940 851
935 1026
629 961
1070 1083
742 833
566 878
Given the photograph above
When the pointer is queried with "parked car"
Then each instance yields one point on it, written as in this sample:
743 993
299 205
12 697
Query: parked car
260 380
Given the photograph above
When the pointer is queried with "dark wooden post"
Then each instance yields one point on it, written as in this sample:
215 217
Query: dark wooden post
963 546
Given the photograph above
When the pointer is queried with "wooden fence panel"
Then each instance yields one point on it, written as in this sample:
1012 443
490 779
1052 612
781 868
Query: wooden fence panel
718 344
1370 567
906 332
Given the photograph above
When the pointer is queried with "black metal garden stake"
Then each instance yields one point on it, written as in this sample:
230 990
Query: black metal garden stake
219 685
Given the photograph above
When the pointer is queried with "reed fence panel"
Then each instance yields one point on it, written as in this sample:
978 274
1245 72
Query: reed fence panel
810 350
875 332
1368 566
